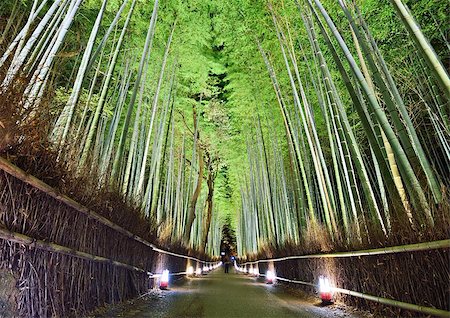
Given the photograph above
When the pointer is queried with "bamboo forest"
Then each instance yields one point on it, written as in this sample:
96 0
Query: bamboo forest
208 158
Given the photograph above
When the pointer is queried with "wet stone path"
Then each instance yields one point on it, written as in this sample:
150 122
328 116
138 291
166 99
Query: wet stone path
224 295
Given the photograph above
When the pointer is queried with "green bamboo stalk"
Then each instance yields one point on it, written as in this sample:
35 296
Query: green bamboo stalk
415 143
423 46
410 177
148 41
102 99
316 161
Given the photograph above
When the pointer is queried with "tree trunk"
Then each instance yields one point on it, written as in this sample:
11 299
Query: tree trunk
193 203
209 204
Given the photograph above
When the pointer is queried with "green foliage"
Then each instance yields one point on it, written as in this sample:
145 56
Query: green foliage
220 71
62 96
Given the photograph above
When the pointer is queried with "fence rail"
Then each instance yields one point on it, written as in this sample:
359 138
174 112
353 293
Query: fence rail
55 248
18 173
376 251
379 251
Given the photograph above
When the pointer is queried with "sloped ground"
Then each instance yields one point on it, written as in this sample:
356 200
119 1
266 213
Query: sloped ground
226 295
8 294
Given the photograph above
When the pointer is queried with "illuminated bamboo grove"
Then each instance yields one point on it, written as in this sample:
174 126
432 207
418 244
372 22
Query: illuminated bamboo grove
362 184
300 121
118 117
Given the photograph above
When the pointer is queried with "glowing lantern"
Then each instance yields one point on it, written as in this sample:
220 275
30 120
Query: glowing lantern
198 271
270 277
164 282
190 271
250 271
325 290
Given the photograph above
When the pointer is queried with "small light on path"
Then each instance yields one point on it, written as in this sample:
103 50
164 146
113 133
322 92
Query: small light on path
270 277
325 290
164 282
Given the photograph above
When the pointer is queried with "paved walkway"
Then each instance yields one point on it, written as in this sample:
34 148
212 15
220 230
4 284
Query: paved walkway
224 295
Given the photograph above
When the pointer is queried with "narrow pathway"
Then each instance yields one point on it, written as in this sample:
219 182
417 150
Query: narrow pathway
224 295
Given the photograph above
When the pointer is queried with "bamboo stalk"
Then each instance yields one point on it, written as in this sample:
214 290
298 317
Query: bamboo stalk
405 165
19 36
138 86
102 100
423 46
65 119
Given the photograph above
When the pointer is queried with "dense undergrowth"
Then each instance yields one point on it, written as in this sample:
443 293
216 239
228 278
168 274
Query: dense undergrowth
25 144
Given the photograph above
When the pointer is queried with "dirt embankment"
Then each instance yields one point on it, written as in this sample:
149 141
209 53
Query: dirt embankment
8 294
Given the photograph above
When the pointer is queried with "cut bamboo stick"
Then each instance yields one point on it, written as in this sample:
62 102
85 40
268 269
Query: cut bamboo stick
18 173
15 237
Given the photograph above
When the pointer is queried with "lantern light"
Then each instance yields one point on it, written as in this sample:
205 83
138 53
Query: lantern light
325 290
164 281
270 277
190 271
198 271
